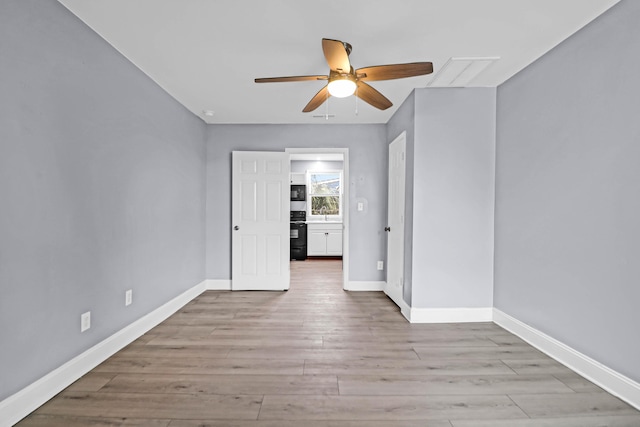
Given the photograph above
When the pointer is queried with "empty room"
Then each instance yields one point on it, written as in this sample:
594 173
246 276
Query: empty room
462 188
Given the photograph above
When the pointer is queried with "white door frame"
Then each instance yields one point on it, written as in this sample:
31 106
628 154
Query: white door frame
345 201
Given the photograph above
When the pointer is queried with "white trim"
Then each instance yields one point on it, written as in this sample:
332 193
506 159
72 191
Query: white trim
603 376
450 315
21 404
405 309
217 285
364 286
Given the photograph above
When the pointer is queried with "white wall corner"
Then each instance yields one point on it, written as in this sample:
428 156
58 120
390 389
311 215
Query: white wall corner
374 286
601 375
21 404
451 315
218 285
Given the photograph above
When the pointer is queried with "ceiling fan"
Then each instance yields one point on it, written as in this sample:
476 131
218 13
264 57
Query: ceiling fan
344 81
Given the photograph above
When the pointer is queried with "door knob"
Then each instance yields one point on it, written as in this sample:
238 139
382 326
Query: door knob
387 229
236 228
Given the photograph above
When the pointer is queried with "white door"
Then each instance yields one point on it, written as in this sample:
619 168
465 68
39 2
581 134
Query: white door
260 221
395 220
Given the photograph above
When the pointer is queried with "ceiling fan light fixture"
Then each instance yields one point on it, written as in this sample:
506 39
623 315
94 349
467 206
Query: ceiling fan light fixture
342 86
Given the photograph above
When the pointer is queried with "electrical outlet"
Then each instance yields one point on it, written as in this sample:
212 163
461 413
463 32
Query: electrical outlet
128 297
85 321
380 265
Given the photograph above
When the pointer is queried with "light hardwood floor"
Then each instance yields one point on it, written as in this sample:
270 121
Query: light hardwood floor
317 356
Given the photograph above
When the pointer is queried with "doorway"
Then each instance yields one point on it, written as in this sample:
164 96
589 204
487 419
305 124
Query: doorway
325 223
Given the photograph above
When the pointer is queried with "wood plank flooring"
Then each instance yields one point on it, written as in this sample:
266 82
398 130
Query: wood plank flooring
317 356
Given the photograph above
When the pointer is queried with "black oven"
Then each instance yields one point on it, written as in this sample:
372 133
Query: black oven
298 235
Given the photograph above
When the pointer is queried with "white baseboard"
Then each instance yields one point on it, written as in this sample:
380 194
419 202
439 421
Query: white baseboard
450 315
21 404
225 285
218 285
405 310
603 376
364 286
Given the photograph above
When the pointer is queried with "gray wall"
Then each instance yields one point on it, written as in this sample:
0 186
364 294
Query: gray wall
403 120
367 157
453 205
568 192
102 179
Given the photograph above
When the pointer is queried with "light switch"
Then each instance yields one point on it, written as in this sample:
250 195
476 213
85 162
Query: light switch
360 206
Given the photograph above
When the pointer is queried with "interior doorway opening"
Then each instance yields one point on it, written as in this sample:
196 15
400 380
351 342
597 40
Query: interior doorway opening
320 216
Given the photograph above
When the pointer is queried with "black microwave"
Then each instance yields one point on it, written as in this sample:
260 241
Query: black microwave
299 192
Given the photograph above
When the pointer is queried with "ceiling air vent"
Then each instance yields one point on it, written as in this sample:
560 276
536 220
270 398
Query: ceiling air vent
459 72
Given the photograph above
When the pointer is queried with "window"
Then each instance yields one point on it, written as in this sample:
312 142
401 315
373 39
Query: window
325 193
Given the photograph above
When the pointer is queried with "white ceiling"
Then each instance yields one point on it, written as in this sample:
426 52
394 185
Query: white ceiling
206 53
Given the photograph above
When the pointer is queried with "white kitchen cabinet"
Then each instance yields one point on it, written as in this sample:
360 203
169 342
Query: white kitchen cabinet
334 242
298 179
324 239
316 242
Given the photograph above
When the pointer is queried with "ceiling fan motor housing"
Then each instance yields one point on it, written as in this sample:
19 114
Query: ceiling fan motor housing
347 47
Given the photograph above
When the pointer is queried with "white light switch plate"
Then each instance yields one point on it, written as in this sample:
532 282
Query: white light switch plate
85 321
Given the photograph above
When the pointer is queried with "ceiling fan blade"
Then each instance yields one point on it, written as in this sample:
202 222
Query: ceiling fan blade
336 55
317 100
394 71
371 96
290 79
